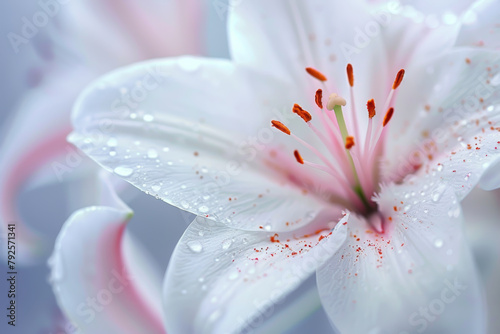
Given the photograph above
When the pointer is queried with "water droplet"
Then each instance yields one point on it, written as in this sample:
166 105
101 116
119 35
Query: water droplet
189 64
203 209
152 154
185 205
148 118
195 246
156 188
467 176
440 168
112 142
495 81
214 316
438 243
123 171
226 244
267 227
201 233
426 211
201 279
244 241
112 153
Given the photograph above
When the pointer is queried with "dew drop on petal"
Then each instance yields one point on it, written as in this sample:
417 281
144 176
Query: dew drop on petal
226 244
189 64
438 243
112 142
148 118
123 171
195 246
203 209
155 188
467 176
152 154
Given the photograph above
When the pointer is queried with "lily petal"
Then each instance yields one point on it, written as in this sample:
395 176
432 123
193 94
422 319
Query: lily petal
172 129
481 26
220 279
420 277
327 36
101 278
455 129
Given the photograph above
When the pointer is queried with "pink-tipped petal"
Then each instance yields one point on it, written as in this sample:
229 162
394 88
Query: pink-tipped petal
102 279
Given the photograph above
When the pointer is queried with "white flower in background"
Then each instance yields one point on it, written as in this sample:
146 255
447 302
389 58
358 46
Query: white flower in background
273 207
91 37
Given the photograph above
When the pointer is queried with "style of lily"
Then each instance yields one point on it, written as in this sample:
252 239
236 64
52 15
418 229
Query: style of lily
92 38
388 122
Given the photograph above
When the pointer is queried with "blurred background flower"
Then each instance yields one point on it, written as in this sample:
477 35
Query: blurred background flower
47 62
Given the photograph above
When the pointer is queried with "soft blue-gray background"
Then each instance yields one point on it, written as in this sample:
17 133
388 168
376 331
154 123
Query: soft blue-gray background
46 208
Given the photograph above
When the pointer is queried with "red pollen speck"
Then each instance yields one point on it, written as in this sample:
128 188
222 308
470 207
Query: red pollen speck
274 238
350 75
467 60
395 208
294 253
316 74
196 154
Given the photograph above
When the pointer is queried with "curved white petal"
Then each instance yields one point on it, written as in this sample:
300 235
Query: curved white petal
455 128
419 277
220 279
196 134
283 37
445 11
480 28
102 280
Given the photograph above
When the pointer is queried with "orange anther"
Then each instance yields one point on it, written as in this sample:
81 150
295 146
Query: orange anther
349 142
306 116
319 98
370 105
350 75
280 126
298 157
399 78
388 116
316 74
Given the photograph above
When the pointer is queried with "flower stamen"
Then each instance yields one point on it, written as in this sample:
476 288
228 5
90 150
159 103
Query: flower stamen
280 126
316 74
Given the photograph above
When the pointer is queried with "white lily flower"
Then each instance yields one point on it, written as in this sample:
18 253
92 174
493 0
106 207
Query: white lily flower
93 37
195 133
